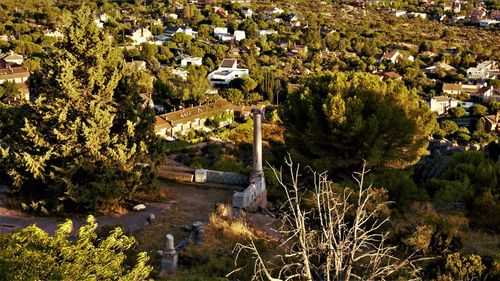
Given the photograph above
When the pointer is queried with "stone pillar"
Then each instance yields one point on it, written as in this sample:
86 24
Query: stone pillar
168 263
257 142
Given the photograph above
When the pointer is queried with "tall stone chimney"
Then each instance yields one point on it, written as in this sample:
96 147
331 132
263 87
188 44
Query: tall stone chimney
257 142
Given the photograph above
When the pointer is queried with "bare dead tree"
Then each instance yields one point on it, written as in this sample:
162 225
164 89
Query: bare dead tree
333 238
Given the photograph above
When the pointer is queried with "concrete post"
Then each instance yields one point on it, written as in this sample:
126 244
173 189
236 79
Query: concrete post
257 142
169 259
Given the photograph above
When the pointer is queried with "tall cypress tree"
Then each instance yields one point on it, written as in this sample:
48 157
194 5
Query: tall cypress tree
87 144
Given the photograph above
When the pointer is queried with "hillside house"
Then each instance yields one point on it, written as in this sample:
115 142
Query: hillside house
221 12
179 122
17 74
398 13
53 33
479 91
484 93
227 72
417 15
185 62
440 66
391 75
482 71
486 23
491 123
11 58
452 89
477 15
264 32
136 65
239 35
495 15
171 31
395 56
441 104
247 13
222 34
244 3
297 50
140 35
277 11
456 6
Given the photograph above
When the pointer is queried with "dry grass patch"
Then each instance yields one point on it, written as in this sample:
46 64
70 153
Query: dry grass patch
214 257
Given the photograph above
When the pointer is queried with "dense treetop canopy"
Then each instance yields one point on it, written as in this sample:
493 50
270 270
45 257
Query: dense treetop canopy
87 137
338 120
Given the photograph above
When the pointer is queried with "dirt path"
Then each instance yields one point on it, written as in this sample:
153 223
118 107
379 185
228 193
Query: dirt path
189 204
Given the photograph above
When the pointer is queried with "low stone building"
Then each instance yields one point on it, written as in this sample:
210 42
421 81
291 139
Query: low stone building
491 123
193 118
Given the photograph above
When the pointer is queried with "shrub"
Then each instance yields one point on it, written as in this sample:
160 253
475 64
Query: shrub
457 112
60 258
449 127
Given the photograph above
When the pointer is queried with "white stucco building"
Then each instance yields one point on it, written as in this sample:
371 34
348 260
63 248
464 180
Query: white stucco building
185 62
239 35
227 72
441 104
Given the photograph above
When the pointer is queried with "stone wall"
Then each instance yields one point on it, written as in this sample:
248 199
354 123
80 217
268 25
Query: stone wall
253 197
228 178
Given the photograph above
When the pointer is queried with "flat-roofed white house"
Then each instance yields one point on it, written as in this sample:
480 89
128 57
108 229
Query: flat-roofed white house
219 31
239 35
222 34
227 72
185 62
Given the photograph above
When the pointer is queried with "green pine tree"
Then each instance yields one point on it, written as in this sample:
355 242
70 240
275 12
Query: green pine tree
87 144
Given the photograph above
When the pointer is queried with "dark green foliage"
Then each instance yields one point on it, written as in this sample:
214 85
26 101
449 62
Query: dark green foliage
9 90
457 112
86 144
336 121
32 254
478 110
450 127
267 87
402 189
472 178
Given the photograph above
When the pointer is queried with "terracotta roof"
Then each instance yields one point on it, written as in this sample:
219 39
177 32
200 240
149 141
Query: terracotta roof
391 75
451 87
389 55
192 113
14 72
161 123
